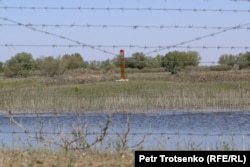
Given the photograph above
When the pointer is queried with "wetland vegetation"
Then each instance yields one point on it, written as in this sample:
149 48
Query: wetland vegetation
144 91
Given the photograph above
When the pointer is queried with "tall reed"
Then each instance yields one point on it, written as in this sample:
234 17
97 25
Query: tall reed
140 95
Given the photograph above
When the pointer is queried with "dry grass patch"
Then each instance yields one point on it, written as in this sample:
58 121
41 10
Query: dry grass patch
65 159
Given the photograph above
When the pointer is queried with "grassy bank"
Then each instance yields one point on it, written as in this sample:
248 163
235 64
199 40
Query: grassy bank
62 159
144 91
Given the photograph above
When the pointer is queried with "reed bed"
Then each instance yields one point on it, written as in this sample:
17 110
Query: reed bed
35 94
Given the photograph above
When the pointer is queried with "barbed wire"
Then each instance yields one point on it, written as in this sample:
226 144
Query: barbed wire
123 9
208 0
56 35
97 48
134 27
199 38
130 46
133 133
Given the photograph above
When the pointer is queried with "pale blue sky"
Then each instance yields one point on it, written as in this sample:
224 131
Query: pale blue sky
21 35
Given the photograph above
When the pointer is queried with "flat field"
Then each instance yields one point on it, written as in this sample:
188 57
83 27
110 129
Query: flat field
145 91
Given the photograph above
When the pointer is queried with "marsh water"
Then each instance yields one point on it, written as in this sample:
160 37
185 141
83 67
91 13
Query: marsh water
168 130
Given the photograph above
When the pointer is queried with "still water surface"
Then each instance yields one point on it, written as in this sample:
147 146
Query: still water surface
168 130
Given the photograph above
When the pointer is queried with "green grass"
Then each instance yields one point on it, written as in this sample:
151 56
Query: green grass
39 94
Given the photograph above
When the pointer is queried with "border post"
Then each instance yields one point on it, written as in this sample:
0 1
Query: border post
122 65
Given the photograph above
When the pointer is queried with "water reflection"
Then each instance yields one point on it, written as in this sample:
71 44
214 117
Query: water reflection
170 130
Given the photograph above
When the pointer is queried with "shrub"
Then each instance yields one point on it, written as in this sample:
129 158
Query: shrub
229 60
107 65
138 60
73 61
243 60
175 61
1 67
19 65
94 65
51 66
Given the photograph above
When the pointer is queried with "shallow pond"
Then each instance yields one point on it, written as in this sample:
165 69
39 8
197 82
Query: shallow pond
168 130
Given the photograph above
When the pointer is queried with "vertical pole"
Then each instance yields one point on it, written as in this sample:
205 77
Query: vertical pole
122 65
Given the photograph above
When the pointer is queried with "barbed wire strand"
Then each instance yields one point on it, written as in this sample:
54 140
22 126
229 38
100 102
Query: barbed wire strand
134 133
199 38
57 36
130 46
123 9
134 27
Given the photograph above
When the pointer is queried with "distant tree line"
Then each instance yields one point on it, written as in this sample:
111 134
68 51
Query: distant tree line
172 61
23 64
241 60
